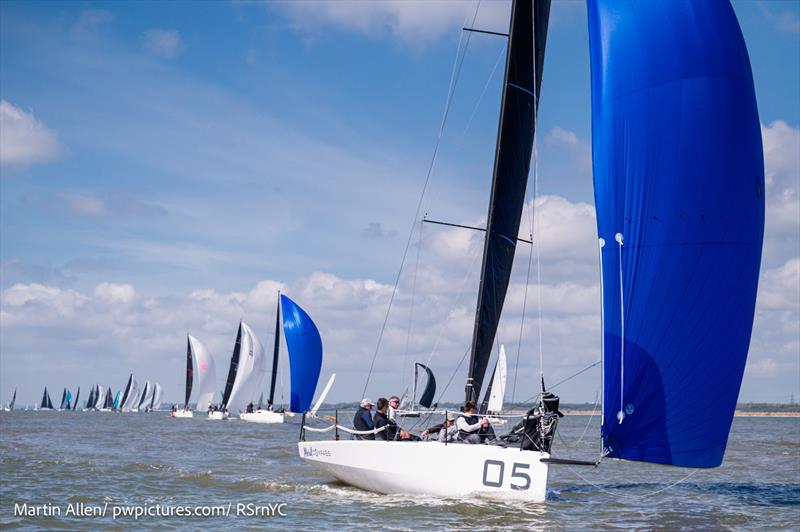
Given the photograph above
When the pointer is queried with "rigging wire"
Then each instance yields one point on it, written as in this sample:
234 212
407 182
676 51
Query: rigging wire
632 496
459 60
411 311
562 381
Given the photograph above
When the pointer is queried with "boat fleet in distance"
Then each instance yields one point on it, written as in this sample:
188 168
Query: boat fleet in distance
100 399
243 394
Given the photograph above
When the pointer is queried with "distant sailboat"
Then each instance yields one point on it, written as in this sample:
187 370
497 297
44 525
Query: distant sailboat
92 400
143 397
155 400
493 400
46 403
66 400
75 402
245 375
133 397
10 406
428 393
201 377
269 416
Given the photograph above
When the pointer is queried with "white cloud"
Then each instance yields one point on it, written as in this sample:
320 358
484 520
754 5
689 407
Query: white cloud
166 43
782 175
411 21
114 293
24 140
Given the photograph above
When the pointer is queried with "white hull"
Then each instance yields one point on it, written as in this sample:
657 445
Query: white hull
263 416
217 416
183 413
432 468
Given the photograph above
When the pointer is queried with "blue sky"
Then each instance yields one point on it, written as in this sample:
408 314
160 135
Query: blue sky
166 167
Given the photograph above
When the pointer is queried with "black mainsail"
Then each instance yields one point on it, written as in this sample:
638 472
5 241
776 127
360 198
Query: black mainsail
275 351
126 392
109 402
226 395
46 402
426 399
13 400
75 401
521 87
189 373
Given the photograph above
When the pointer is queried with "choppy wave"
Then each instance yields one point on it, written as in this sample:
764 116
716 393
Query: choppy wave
153 459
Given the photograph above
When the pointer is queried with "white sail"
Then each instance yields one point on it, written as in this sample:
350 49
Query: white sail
323 395
144 398
133 397
251 372
157 397
101 397
205 374
499 383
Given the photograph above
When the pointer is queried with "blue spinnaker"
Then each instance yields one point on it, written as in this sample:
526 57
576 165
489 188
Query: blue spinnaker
679 191
305 353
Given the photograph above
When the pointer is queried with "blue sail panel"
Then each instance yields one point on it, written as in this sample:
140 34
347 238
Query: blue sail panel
679 180
305 353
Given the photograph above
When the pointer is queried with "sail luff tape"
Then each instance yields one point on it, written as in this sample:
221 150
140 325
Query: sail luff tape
621 414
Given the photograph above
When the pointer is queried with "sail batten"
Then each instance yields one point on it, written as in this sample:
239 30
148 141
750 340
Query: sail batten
679 181
521 86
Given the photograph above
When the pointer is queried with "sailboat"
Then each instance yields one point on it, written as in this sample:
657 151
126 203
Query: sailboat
305 360
486 469
140 402
269 416
77 397
155 401
201 376
428 393
493 400
46 403
10 406
245 375
105 402
92 400
679 193
66 400
128 404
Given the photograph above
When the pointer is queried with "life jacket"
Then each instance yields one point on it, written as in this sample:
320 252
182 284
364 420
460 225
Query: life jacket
471 420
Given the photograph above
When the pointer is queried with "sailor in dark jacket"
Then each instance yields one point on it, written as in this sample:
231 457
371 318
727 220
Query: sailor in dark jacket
381 419
363 420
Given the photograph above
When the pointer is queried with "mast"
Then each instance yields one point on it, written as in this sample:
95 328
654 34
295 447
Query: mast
515 135
277 348
189 372
226 395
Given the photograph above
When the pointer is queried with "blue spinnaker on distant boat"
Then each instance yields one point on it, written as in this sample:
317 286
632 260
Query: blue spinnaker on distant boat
679 191
305 353
116 401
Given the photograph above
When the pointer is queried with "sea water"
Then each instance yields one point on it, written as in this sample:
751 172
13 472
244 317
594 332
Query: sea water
76 470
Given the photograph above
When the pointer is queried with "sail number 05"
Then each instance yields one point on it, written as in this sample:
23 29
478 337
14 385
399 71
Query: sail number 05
494 471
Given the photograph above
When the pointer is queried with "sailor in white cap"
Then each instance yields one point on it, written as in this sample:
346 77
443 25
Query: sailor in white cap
363 420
